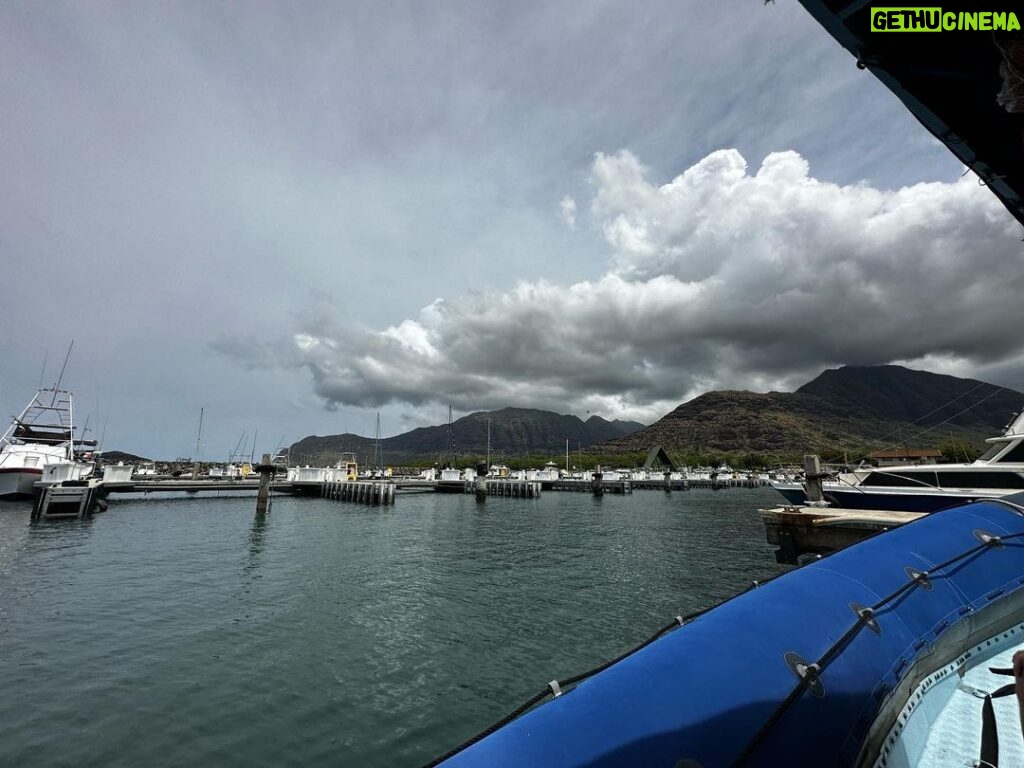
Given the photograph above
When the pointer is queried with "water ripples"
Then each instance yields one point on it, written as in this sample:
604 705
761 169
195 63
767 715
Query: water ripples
189 632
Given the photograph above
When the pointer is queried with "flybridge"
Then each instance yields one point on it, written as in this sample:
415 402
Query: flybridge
47 420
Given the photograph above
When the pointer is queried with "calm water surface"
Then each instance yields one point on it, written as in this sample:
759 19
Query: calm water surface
185 632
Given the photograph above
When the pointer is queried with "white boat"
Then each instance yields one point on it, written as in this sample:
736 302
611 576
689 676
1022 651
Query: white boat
546 477
451 481
41 435
928 487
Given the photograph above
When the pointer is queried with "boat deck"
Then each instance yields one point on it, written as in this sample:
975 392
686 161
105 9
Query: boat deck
942 723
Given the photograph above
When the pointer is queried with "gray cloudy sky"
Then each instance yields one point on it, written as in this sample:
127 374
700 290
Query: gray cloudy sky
298 214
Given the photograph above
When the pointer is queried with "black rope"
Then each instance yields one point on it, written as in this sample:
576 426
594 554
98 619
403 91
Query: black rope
841 644
535 699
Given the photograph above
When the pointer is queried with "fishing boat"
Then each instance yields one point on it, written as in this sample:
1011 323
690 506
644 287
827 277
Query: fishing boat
927 487
547 476
851 660
450 480
41 435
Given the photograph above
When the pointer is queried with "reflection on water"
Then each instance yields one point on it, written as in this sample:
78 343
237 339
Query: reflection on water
259 524
329 633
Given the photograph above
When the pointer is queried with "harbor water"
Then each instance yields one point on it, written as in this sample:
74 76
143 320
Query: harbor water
189 632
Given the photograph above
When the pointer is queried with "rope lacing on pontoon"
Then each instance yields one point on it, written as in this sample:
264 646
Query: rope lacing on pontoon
809 674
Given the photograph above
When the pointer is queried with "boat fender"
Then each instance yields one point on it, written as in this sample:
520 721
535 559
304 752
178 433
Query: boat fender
555 688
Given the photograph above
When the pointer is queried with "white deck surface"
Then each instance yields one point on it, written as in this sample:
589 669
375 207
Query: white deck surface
944 723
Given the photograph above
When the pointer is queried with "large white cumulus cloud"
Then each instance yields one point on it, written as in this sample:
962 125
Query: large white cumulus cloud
721 277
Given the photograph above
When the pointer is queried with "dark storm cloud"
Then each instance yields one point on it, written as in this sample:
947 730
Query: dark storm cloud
183 180
721 277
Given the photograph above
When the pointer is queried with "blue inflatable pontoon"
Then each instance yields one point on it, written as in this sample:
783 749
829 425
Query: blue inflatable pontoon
852 660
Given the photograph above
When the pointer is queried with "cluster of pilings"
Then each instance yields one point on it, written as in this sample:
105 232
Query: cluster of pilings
671 484
522 489
361 492
597 486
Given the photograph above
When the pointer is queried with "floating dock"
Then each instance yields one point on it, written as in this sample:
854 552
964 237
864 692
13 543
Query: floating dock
814 530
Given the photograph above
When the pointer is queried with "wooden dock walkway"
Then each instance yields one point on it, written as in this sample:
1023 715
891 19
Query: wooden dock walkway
813 530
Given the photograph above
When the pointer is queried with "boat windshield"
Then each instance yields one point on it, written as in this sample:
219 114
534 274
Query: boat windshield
1015 454
992 451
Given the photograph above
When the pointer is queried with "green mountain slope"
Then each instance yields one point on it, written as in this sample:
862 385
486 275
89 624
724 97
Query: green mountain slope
515 432
850 408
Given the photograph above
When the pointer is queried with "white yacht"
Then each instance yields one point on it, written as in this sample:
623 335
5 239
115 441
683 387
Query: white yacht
41 435
928 487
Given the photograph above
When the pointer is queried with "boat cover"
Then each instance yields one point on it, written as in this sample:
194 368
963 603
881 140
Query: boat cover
721 690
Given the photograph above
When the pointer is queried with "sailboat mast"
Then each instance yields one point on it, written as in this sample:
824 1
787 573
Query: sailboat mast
451 440
199 440
567 455
71 415
378 454
488 445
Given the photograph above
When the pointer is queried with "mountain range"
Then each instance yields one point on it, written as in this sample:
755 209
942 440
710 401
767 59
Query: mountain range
853 407
514 433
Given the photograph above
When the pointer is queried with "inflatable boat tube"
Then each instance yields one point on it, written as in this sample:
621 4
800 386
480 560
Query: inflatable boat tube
822 666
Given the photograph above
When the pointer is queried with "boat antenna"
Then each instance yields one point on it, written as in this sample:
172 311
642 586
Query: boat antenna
252 453
61 377
42 373
103 434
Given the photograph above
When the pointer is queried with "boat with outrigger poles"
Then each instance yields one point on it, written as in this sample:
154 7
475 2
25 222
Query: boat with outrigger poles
895 652
40 436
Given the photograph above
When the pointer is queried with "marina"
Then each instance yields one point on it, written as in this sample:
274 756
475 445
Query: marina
646 259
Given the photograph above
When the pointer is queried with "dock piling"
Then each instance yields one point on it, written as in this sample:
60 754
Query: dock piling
266 470
812 478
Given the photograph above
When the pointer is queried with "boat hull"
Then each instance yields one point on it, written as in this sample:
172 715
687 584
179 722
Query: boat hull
19 483
450 486
852 497
723 688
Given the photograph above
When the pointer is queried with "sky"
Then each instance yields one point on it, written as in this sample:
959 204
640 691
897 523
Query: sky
295 216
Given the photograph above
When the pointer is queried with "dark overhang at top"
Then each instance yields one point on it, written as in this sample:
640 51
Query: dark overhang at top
966 87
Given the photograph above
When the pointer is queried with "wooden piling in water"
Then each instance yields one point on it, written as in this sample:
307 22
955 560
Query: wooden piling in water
812 478
266 470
